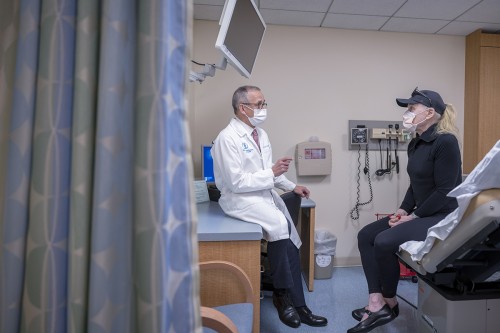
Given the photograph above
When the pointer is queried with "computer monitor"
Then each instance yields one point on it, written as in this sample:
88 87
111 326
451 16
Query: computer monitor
207 164
241 31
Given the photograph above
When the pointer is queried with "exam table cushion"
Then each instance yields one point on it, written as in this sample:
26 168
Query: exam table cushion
482 209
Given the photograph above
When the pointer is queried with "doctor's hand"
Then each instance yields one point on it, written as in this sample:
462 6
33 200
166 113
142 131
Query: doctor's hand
281 166
302 191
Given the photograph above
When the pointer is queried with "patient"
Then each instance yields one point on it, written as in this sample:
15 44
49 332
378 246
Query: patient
434 168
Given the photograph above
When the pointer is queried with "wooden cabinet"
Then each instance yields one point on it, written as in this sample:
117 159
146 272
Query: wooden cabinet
218 287
482 97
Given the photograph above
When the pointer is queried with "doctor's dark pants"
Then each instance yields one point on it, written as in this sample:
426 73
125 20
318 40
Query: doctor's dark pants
284 262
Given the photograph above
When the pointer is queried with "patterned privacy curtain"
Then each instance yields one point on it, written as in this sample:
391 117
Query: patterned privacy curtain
93 147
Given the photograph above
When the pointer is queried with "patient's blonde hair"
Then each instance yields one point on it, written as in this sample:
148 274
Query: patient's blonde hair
447 122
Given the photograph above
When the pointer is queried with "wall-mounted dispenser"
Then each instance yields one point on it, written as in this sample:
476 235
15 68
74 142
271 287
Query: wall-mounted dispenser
313 158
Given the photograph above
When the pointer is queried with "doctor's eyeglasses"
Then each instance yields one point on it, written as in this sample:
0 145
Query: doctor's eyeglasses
260 105
418 92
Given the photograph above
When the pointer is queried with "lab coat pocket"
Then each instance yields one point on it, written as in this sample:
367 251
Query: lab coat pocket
244 200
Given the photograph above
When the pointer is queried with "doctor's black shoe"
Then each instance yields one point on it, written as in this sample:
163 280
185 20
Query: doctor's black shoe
375 319
359 313
308 318
287 313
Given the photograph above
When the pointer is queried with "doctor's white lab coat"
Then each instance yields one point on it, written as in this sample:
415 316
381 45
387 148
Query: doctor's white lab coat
246 181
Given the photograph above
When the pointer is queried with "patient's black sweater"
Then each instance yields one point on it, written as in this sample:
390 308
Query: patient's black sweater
435 168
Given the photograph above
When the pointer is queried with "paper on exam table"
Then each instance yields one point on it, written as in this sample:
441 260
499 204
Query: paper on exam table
485 175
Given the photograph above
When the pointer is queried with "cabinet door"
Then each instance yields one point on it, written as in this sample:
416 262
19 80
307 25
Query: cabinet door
489 101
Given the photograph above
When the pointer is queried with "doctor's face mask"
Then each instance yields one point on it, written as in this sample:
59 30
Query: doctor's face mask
259 115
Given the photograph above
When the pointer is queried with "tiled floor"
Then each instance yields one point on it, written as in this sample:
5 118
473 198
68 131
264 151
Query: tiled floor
335 298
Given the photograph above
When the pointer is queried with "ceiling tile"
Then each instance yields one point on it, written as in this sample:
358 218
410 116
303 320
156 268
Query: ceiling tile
345 21
418 16
206 12
413 25
366 7
432 9
301 5
465 28
486 11
288 17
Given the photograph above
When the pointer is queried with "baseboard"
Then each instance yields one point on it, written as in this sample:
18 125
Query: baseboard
346 261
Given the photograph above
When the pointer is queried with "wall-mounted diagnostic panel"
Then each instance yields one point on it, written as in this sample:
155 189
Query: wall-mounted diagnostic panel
313 158
378 132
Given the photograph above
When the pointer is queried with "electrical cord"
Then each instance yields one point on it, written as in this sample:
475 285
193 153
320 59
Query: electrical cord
200 64
389 152
396 126
389 163
380 150
366 171
380 172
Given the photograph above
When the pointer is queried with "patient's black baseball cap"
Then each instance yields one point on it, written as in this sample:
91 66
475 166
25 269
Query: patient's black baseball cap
428 98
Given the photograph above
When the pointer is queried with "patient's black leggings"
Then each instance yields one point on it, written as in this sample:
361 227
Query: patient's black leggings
378 244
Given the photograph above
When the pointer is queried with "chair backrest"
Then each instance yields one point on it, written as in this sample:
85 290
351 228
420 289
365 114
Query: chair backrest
216 321
292 201
230 317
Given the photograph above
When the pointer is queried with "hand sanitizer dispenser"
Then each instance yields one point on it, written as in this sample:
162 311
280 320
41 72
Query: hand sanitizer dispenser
313 158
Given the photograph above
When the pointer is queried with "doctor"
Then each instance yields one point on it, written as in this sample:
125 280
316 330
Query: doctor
246 177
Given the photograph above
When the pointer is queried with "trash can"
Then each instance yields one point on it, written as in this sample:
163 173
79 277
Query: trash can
324 251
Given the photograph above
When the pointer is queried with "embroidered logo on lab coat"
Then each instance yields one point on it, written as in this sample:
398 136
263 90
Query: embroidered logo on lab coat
246 149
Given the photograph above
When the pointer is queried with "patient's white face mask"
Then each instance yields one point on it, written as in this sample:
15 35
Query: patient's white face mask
408 117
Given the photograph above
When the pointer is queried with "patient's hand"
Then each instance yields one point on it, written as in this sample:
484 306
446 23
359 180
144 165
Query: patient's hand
401 212
395 220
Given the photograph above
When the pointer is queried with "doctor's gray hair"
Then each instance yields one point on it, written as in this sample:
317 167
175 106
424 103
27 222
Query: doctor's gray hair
240 96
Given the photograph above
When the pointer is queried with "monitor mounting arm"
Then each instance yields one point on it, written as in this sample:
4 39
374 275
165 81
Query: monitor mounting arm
208 70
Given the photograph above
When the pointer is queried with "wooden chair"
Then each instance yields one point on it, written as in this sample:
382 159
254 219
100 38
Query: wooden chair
229 318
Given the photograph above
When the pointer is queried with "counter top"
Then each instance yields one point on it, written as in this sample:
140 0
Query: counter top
214 225
307 203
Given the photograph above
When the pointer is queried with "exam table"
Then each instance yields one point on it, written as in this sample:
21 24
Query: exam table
459 278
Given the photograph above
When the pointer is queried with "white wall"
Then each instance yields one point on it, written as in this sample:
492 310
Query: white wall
315 80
